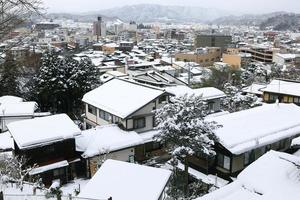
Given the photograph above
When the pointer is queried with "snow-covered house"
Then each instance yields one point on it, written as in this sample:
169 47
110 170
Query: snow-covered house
15 109
248 134
124 102
49 143
128 104
274 176
121 180
212 95
255 89
286 91
106 142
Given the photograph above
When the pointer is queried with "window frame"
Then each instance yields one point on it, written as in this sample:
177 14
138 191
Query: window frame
136 124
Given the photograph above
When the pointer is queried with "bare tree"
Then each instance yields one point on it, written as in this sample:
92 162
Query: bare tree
13 13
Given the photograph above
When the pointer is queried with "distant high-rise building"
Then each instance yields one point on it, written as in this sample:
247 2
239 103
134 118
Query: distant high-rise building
213 40
99 28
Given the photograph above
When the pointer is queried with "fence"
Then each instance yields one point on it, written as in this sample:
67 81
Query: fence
41 197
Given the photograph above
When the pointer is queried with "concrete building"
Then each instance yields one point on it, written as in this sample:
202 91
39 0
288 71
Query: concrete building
222 41
203 56
99 28
260 53
236 59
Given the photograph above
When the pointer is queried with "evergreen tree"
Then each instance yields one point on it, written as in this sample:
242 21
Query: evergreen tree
184 130
9 74
62 82
236 101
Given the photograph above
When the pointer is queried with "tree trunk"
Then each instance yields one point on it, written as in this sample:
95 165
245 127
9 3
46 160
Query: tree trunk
186 176
1 195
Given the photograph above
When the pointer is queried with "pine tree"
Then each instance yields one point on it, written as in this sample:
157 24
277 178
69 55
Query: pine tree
9 74
182 127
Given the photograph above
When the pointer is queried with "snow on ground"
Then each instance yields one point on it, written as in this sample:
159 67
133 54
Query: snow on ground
208 179
13 192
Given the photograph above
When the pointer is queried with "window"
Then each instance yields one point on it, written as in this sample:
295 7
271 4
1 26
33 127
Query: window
246 158
282 144
105 115
285 99
92 109
266 97
249 157
223 161
58 172
296 100
291 99
162 99
139 123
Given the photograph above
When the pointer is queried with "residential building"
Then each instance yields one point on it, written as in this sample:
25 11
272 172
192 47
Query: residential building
49 145
211 95
130 105
213 40
285 59
121 180
203 56
106 142
272 176
285 91
247 135
13 109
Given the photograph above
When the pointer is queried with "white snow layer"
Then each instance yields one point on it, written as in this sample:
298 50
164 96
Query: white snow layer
206 93
18 109
104 139
6 141
256 127
121 97
10 99
274 176
43 130
122 180
283 87
49 167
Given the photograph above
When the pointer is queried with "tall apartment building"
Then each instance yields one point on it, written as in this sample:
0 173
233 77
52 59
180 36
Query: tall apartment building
99 28
213 40
203 56
260 53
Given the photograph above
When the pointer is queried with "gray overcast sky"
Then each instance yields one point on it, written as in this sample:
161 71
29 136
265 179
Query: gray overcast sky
244 6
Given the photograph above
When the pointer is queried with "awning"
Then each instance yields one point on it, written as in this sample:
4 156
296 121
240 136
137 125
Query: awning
50 167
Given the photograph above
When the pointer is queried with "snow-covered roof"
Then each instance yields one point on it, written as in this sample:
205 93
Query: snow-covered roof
104 139
10 99
248 129
18 109
42 131
273 176
255 88
121 97
6 141
49 167
283 87
122 180
206 92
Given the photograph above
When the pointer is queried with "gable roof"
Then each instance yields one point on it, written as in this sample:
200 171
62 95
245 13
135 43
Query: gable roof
122 180
248 129
207 93
43 130
273 176
121 97
107 138
18 109
283 87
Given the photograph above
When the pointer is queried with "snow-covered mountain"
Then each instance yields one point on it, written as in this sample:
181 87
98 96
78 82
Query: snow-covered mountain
160 13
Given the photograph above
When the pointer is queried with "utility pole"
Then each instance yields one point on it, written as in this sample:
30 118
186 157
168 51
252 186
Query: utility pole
1 196
189 74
